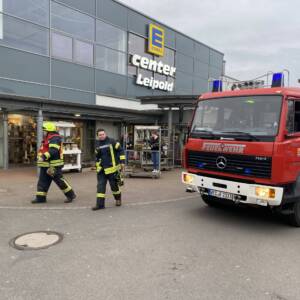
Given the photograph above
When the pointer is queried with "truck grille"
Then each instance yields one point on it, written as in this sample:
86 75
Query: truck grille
252 166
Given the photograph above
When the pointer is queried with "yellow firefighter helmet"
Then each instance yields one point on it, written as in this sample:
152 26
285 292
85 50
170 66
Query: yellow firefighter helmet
49 127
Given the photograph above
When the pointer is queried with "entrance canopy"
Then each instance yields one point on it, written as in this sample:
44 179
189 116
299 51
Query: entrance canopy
170 101
14 103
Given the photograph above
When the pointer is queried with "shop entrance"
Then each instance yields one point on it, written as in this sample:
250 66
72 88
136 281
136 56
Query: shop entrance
21 139
1 141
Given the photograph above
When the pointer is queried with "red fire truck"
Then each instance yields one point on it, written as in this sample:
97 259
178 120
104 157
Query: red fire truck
244 147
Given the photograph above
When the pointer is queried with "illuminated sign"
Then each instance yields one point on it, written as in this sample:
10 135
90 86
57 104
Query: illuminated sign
156 40
156 46
157 67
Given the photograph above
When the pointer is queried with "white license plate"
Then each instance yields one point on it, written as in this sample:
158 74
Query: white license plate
222 195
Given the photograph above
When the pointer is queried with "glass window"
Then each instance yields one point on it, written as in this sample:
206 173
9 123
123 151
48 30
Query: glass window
73 22
110 60
255 115
84 53
62 46
36 11
23 35
168 58
111 36
138 45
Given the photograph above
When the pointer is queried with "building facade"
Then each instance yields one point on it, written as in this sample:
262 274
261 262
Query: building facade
88 62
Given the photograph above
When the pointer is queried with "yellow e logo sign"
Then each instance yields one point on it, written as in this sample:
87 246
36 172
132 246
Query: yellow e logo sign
156 40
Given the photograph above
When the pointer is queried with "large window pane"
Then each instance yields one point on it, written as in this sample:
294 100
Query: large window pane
23 35
62 46
168 58
138 45
111 36
73 22
84 53
36 11
110 60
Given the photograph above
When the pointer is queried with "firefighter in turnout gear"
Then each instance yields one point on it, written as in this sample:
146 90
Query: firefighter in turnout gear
51 161
110 161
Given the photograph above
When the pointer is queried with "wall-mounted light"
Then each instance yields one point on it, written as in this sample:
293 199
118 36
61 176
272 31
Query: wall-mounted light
77 115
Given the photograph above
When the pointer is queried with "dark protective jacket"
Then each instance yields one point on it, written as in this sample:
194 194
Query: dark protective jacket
154 143
109 156
50 153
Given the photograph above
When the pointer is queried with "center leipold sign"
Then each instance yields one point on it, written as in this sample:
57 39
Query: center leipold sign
156 38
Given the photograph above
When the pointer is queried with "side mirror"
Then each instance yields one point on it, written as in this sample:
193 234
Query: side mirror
292 135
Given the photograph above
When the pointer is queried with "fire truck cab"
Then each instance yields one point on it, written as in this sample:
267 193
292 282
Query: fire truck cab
244 147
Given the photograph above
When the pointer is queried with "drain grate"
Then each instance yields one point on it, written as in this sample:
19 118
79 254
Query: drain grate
36 240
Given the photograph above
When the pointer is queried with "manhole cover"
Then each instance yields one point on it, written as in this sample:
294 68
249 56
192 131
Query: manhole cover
36 240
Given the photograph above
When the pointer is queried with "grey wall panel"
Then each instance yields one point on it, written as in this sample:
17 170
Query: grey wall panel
74 76
184 63
161 93
73 96
184 92
110 84
24 66
138 23
184 44
113 12
215 59
135 90
88 6
200 86
170 38
24 89
202 52
201 69
184 82
214 72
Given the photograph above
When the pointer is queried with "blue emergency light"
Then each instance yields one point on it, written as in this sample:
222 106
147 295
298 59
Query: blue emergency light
278 80
217 86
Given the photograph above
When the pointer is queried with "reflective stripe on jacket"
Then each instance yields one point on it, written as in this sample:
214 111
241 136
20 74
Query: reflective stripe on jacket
109 156
51 151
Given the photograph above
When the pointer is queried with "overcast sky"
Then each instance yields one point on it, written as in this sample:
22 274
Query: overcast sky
256 36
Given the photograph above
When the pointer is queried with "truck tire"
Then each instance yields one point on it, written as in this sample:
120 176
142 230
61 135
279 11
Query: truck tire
294 218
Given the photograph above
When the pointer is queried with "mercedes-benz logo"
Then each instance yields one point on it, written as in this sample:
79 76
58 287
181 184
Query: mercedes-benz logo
221 162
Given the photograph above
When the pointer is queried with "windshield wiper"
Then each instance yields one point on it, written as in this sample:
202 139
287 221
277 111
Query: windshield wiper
208 132
247 134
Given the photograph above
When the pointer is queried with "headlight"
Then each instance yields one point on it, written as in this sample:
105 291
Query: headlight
188 178
263 192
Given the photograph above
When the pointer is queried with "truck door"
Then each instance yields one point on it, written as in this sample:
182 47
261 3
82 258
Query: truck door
293 127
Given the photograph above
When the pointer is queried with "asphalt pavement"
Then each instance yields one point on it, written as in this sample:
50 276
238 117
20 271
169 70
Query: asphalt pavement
163 243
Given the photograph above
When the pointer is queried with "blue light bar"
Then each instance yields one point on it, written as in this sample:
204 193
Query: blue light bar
278 80
217 86
247 171
201 165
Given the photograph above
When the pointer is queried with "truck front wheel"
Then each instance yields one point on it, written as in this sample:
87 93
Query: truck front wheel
294 218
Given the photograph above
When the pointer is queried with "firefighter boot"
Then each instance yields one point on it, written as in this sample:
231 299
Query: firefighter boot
40 198
118 200
100 204
70 197
37 201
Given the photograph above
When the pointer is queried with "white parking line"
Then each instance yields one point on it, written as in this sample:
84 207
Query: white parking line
88 207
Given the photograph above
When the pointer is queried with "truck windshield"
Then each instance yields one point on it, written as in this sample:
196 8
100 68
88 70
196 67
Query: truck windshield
250 117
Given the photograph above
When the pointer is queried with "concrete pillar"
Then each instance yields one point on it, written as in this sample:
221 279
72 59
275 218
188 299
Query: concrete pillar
5 141
170 126
39 131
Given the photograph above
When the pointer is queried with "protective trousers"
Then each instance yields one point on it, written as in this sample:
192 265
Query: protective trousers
102 179
45 181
